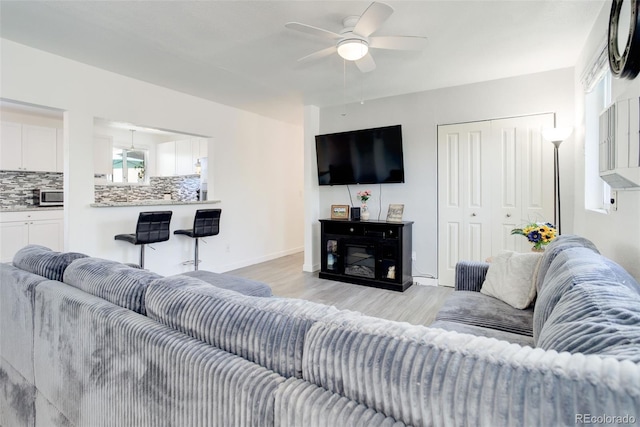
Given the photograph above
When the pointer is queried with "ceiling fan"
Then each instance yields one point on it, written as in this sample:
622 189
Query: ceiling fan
355 40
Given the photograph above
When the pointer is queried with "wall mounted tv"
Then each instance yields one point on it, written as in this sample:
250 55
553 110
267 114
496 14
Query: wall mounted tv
367 156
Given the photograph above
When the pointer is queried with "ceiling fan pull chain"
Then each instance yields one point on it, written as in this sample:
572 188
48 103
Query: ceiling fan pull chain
344 87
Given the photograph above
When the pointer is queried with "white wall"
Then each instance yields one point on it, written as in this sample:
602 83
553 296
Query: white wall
419 114
617 233
256 169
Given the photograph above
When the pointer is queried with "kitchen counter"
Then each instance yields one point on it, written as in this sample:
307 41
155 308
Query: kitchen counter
30 208
151 203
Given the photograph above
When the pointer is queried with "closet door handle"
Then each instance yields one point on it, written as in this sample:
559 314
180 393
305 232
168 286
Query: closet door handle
508 215
473 214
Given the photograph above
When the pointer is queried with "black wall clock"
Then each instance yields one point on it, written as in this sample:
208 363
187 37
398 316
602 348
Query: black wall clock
624 38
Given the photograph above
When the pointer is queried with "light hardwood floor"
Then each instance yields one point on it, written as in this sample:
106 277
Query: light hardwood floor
417 305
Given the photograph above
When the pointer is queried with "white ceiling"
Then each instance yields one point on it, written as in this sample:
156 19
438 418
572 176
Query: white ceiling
239 53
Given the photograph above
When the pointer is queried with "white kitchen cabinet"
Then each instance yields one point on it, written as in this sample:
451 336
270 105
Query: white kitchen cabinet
184 157
199 147
102 155
18 229
29 148
180 157
39 148
166 158
11 146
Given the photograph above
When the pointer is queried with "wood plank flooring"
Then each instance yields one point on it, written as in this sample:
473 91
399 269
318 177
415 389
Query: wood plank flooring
417 305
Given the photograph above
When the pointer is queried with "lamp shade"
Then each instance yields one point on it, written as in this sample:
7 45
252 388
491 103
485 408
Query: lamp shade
556 134
353 49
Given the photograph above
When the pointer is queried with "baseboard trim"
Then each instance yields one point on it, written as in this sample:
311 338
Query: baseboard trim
252 261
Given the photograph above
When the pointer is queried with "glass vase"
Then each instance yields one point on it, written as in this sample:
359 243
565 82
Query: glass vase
364 212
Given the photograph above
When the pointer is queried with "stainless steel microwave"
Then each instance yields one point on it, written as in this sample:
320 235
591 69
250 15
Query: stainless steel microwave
50 197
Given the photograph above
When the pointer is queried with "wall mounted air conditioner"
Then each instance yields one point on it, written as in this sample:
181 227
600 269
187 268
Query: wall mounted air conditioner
620 144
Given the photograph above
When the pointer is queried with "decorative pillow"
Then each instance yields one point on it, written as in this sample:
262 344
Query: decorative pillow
511 278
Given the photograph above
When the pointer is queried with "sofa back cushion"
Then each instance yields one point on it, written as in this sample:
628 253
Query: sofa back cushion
43 261
266 331
431 377
570 267
562 243
118 283
597 317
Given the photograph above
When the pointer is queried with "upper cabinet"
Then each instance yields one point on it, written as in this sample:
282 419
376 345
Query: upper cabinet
11 146
180 157
30 148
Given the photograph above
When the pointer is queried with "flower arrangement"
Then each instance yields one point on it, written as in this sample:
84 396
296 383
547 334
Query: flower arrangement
364 195
538 233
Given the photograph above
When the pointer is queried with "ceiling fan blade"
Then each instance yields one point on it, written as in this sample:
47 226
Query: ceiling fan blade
372 19
319 54
398 42
315 31
366 63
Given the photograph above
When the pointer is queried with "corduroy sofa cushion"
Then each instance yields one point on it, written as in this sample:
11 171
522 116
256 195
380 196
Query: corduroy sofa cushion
474 308
233 283
43 261
300 403
463 328
570 267
562 243
118 283
266 331
600 317
430 377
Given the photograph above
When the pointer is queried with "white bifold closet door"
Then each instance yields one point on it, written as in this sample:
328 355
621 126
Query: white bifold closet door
493 176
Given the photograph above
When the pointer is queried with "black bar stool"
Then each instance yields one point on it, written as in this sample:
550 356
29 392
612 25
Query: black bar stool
152 227
206 223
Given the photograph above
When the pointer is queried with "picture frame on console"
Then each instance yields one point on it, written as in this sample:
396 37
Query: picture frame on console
339 211
394 214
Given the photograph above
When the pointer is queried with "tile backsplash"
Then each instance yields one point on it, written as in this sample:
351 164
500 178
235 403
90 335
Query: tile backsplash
181 188
16 187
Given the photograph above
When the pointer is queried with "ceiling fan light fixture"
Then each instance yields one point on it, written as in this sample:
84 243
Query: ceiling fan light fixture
353 49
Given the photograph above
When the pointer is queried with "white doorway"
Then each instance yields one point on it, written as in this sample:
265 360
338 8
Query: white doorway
493 176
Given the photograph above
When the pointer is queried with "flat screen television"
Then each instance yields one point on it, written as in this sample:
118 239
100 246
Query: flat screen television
367 156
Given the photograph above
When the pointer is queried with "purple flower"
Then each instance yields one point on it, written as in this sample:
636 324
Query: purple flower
534 236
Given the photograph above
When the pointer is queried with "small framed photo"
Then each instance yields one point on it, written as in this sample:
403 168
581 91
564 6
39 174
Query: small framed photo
339 211
395 213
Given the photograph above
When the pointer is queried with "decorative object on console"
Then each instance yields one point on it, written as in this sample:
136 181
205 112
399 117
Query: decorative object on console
511 278
339 211
538 233
624 38
355 214
364 212
363 196
394 214
391 272
556 136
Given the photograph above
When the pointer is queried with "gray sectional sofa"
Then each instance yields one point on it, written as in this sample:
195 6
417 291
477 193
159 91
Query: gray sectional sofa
91 342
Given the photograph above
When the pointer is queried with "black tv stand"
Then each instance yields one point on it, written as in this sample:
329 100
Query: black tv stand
370 253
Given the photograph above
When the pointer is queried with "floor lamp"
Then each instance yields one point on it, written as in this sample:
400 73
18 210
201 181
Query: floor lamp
556 136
